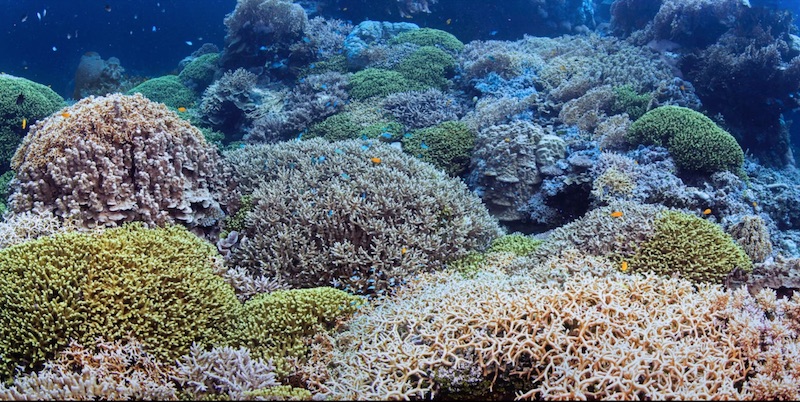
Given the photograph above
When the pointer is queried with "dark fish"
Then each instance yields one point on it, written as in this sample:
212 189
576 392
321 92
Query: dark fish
108 7
20 99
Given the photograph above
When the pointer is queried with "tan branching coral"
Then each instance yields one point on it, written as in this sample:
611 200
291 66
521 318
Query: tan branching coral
357 215
113 159
119 370
622 337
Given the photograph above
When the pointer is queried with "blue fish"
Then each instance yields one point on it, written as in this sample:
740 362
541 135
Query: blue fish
493 33
306 40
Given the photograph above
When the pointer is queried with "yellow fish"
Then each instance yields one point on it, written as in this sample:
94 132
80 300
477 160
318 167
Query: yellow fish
24 123
707 211
65 115
375 160
181 109
624 267
403 250
616 214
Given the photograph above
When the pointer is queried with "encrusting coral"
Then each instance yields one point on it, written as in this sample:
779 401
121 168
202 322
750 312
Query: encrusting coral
357 215
113 159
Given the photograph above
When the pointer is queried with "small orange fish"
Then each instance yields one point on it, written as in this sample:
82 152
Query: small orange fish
683 88
616 214
65 115
375 160
624 267
755 204
181 109
24 123
707 211
403 250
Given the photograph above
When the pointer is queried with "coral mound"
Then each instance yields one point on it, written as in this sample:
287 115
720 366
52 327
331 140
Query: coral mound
620 337
113 159
358 215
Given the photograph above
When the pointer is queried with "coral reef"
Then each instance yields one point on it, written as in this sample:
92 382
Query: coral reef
447 146
115 159
357 215
118 370
229 104
199 73
420 109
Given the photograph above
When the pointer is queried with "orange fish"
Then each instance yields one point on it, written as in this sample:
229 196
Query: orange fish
181 109
65 115
403 250
375 160
707 211
624 267
24 123
616 214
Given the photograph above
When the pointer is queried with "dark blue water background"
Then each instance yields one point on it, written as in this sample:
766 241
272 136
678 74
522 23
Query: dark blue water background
126 32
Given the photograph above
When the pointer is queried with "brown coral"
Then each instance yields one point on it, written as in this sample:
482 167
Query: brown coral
112 159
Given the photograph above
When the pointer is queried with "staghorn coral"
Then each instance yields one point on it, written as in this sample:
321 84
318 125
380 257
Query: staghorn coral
420 109
600 234
501 337
157 285
115 159
358 215
30 225
119 370
222 371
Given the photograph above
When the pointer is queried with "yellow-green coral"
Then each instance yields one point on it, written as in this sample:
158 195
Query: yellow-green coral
694 141
516 243
692 247
157 285
280 393
275 325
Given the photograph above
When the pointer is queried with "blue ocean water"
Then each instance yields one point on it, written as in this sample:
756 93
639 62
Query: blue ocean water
43 40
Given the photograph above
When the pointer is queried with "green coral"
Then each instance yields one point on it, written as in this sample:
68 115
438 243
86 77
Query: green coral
373 82
334 128
5 179
469 265
342 126
157 285
429 37
22 99
693 140
516 243
279 393
447 145
428 67
693 247
275 325
336 63
237 221
199 73
168 90
627 100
